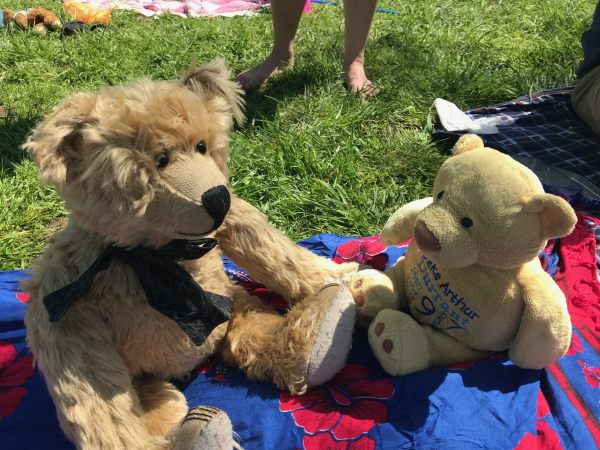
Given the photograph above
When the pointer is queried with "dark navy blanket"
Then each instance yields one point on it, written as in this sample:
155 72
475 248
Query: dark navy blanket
543 132
489 404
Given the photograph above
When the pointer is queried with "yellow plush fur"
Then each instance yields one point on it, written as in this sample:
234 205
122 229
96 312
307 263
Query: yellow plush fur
470 282
106 361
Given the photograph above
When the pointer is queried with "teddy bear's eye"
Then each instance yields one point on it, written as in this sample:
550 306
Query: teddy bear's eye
466 222
440 195
162 160
201 147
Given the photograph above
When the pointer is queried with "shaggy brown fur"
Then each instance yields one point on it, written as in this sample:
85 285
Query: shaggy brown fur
100 151
39 20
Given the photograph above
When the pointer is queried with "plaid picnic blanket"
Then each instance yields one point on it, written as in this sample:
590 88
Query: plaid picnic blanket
543 131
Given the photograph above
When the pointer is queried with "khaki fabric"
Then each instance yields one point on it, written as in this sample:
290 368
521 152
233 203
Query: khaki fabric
586 99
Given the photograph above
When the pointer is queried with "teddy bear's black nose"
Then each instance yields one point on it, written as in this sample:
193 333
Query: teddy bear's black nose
426 240
217 201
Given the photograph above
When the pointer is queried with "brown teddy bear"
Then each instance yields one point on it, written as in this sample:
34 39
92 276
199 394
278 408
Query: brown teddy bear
129 294
471 282
39 20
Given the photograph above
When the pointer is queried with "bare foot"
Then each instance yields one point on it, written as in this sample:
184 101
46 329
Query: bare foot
357 80
254 78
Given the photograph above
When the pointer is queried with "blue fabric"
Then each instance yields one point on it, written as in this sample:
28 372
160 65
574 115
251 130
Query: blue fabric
590 42
490 404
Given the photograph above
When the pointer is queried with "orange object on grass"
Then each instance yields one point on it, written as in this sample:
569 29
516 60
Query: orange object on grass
87 13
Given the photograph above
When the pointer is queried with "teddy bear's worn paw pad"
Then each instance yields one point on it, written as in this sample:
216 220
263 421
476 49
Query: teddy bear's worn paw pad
372 291
334 337
205 428
398 342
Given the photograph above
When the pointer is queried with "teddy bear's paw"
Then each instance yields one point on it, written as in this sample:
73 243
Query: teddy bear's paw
205 428
334 337
372 291
399 343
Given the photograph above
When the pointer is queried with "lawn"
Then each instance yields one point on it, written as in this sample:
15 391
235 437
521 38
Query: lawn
312 157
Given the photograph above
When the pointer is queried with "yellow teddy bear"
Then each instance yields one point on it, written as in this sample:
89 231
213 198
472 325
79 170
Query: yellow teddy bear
471 282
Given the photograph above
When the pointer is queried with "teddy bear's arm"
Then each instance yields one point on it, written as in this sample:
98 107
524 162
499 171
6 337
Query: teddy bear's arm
374 290
253 243
399 227
545 331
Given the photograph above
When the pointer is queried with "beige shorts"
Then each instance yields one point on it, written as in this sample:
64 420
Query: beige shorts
586 99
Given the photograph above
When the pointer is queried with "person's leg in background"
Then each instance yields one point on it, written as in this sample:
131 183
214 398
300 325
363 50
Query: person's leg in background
585 98
358 16
286 17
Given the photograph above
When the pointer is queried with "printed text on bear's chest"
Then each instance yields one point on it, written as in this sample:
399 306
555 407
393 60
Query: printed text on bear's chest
457 305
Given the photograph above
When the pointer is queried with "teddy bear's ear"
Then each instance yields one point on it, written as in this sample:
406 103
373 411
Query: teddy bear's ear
213 79
54 142
467 142
557 218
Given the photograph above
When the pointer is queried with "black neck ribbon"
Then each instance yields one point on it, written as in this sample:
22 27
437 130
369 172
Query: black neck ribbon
169 288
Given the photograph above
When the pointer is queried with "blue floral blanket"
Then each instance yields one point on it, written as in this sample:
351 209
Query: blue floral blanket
487 404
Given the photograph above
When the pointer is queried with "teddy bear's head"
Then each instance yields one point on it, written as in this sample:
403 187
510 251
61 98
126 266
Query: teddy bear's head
488 209
143 163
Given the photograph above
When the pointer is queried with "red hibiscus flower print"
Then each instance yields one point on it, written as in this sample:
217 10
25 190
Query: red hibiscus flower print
211 365
545 438
263 294
22 296
367 250
344 408
463 365
592 374
575 346
323 441
13 374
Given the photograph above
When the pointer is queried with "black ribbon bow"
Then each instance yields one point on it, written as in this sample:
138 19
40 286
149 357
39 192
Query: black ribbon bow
169 288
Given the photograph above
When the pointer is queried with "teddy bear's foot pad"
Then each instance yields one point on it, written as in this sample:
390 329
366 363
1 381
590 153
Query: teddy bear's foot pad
399 343
373 291
205 428
334 338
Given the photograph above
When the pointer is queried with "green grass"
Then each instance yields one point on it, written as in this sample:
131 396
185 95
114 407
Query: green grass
312 157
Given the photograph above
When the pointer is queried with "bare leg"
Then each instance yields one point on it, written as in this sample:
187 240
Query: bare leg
586 98
358 15
286 17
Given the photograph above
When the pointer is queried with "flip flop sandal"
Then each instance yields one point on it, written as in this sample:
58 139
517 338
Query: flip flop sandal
77 26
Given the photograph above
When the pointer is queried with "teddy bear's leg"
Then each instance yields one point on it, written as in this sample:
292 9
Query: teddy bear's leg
304 348
374 291
204 428
96 401
166 414
162 403
271 258
404 346
100 409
